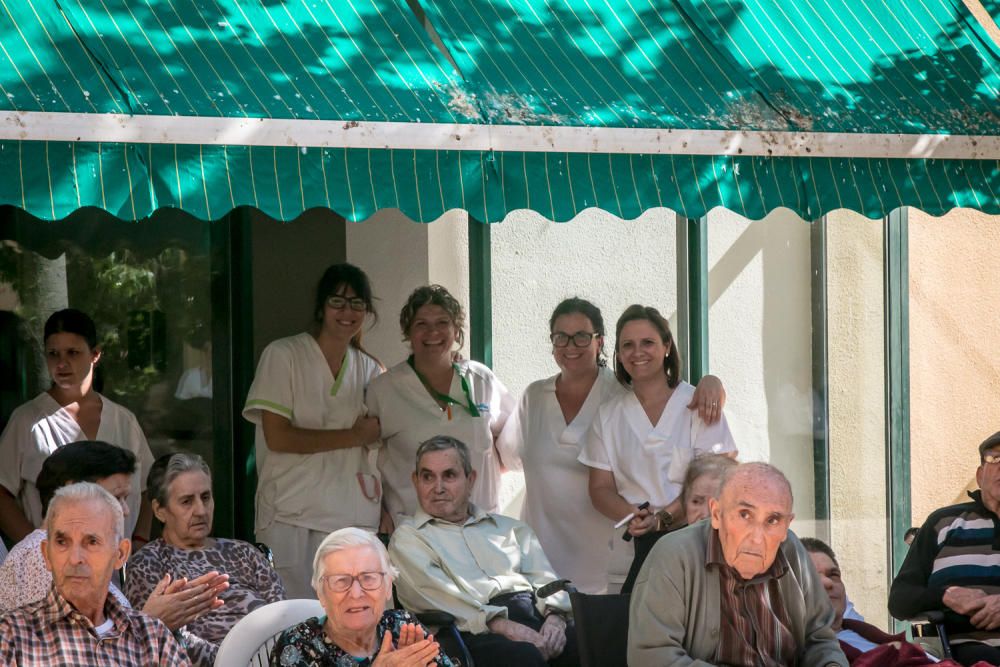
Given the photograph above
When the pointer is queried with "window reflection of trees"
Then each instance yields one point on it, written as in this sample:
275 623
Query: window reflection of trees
151 303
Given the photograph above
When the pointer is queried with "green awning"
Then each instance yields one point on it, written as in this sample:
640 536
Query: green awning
497 105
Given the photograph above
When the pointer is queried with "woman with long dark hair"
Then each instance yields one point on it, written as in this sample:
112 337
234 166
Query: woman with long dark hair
642 440
315 442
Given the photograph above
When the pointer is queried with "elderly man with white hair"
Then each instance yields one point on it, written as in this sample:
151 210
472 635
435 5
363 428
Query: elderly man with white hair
79 623
738 590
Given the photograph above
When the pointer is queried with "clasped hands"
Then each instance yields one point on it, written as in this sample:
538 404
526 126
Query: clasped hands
550 639
983 610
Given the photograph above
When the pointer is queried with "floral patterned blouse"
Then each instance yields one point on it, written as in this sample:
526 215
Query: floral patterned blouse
305 645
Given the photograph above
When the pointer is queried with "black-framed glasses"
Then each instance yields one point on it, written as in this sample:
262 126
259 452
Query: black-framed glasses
341 583
580 338
341 302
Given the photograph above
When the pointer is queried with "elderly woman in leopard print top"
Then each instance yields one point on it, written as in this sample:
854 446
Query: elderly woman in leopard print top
180 487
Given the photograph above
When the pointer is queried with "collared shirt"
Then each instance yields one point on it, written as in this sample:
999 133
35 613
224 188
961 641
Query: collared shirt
24 577
755 627
52 632
459 568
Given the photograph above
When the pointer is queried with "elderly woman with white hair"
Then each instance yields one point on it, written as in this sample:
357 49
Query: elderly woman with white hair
353 579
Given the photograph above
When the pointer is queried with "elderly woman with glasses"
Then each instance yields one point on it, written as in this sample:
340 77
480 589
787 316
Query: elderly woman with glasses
180 486
353 579
313 431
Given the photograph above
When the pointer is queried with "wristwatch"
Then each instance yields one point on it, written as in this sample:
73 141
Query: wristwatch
664 519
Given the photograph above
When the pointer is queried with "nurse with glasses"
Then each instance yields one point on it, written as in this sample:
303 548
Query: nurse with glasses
315 443
544 437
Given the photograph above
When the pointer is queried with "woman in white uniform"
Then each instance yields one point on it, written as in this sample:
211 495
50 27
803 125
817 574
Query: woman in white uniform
315 444
641 441
544 435
432 393
70 410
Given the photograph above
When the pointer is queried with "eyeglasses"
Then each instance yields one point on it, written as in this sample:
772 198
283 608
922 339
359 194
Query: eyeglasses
340 302
580 338
341 583
991 458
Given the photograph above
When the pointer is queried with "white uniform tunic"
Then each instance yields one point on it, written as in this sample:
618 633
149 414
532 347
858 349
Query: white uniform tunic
409 415
327 490
557 505
40 426
649 461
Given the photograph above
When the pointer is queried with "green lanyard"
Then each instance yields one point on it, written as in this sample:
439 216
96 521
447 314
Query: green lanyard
445 398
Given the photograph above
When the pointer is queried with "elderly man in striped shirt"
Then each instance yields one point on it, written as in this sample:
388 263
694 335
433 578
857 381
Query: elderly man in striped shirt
953 565
737 589
79 623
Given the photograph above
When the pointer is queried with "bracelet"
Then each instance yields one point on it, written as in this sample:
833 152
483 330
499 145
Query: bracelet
552 611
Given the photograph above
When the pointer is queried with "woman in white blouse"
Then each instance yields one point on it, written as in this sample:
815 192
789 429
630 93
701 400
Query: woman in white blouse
544 436
315 443
434 393
641 441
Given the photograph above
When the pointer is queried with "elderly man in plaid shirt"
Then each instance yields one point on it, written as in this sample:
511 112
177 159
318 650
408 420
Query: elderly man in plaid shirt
78 623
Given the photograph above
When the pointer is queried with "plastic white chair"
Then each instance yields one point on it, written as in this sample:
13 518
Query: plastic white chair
250 640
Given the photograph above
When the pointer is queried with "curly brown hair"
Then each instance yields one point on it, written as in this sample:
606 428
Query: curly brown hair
432 295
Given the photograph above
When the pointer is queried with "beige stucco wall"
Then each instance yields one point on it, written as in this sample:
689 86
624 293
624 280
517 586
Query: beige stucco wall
856 369
536 263
760 342
400 255
954 351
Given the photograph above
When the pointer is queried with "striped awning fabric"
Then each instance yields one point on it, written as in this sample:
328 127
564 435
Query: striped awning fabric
497 105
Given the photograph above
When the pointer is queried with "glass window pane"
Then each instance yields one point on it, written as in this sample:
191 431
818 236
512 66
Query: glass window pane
146 286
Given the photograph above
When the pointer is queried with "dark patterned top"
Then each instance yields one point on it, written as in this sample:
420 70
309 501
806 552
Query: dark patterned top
52 632
252 583
305 645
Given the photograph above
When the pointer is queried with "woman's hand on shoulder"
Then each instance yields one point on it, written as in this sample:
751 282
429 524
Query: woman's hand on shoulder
420 653
709 399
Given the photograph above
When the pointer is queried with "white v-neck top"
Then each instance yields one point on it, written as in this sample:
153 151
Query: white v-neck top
649 461
40 426
327 490
557 505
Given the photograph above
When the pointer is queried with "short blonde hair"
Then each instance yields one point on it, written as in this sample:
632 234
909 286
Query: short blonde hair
349 538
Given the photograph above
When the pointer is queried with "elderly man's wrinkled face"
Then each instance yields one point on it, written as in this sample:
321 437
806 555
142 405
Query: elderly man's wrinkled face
82 551
752 515
988 478
354 610
829 574
442 486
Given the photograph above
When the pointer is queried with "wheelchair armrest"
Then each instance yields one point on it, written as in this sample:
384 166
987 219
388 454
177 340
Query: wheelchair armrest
554 587
435 618
934 616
